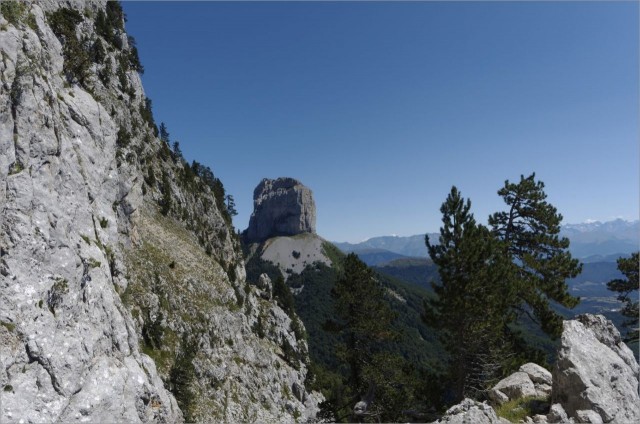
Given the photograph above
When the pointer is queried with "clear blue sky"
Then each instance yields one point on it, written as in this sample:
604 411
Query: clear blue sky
380 107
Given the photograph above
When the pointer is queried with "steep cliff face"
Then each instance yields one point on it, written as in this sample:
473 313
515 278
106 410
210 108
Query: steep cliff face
281 207
122 292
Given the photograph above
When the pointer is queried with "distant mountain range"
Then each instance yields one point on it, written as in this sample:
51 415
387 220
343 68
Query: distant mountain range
405 246
590 242
602 241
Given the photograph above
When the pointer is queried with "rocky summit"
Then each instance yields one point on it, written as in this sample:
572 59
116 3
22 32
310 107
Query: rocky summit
281 207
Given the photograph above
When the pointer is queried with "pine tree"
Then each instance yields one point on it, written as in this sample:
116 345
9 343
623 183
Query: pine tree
177 152
164 134
364 321
530 229
231 205
628 267
471 308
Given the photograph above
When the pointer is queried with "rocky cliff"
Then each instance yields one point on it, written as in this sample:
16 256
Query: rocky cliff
595 378
281 207
122 288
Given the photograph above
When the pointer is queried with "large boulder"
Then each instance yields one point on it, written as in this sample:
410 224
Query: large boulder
596 371
281 207
517 385
530 380
470 411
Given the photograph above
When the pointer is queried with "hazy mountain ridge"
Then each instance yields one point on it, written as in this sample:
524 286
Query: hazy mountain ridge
605 241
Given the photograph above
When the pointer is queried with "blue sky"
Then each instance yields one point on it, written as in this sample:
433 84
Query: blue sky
379 107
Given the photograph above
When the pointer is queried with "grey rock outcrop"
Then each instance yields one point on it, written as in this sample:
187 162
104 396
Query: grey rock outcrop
515 386
265 286
68 350
530 380
470 411
281 207
557 414
92 274
596 371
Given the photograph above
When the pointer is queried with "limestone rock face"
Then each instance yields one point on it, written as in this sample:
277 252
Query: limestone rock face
537 374
557 414
596 371
515 386
470 411
281 207
530 380
68 347
93 274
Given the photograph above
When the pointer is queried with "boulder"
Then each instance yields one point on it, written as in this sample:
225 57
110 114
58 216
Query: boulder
515 386
588 416
265 286
557 414
595 371
537 374
470 411
281 207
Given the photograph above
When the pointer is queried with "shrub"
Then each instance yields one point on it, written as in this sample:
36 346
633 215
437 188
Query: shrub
13 11
181 376
146 113
77 60
123 138
16 168
109 25
134 59
8 325
98 52
166 200
56 293
152 331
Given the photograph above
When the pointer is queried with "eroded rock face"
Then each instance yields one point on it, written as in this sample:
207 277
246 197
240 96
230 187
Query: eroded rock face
596 371
281 207
470 411
92 273
68 348
530 380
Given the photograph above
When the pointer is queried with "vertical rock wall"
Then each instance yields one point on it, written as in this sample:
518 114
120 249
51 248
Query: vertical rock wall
120 274
281 207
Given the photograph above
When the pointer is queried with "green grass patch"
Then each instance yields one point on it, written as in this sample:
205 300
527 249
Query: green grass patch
517 409
9 326
334 254
13 11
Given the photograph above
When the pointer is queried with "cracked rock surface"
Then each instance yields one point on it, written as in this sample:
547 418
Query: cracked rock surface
92 320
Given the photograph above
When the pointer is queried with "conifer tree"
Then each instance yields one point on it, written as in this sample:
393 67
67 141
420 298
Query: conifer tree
231 205
530 229
364 322
164 134
471 308
628 267
177 152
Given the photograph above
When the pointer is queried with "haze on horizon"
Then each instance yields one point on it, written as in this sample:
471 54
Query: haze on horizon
380 107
